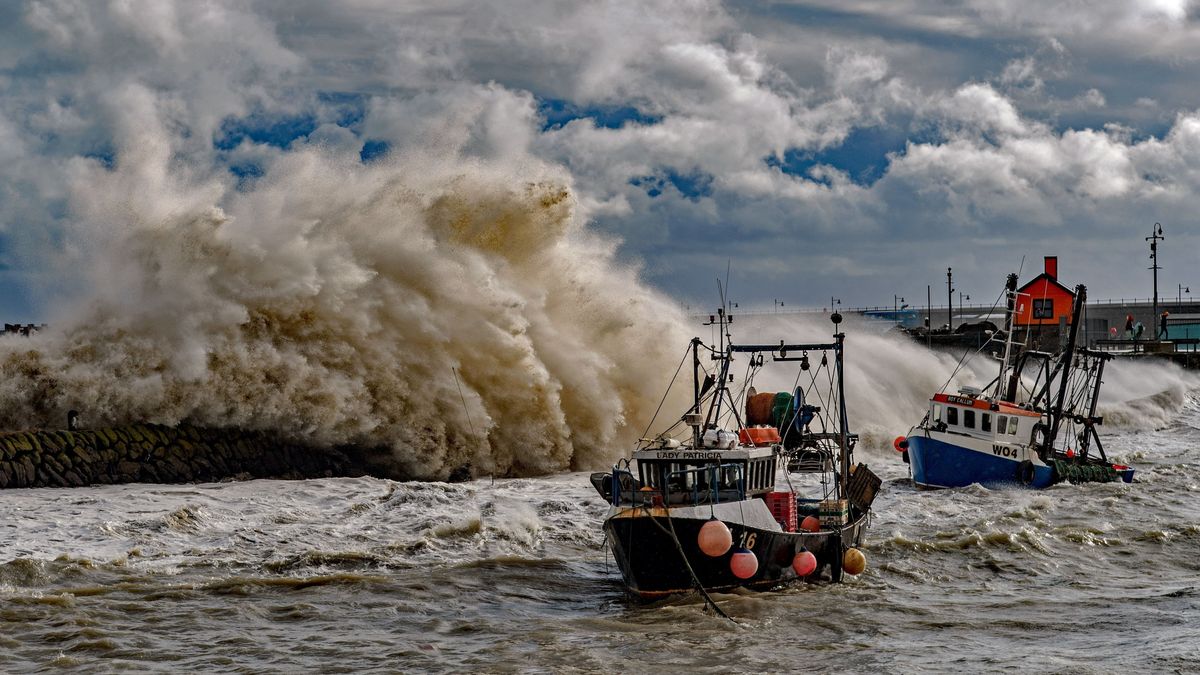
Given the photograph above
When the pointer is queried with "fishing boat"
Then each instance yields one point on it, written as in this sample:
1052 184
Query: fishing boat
1034 425
698 507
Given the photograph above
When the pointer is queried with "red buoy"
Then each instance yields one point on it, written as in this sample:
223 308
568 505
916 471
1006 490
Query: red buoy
805 563
743 563
714 538
900 444
811 524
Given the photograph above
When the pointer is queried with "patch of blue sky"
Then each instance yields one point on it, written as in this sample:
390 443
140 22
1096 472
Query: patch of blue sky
863 156
373 149
692 185
556 113
275 130
247 173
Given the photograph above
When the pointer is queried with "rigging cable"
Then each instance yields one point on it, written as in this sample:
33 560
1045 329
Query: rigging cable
967 355
708 601
667 392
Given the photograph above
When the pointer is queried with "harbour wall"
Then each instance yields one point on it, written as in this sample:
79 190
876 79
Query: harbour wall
155 453
1099 318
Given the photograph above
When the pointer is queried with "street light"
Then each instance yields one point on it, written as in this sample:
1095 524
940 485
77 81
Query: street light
778 304
1182 289
1155 236
950 298
896 300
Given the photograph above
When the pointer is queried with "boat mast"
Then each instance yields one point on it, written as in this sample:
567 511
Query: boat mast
1064 366
695 417
723 319
844 427
1010 291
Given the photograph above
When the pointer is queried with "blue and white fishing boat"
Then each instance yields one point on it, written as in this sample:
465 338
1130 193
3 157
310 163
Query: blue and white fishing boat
992 436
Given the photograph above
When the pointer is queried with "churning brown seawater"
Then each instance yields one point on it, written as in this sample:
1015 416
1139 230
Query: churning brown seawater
353 575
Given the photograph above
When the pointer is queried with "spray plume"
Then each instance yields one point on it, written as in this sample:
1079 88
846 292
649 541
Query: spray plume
334 303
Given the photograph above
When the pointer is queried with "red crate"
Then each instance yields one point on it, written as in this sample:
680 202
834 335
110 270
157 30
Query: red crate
783 509
759 436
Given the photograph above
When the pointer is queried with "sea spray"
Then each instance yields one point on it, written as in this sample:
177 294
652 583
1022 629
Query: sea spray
1144 394
890 377
333 302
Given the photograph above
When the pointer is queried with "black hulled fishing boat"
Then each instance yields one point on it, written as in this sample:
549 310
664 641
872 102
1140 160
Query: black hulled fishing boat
703 509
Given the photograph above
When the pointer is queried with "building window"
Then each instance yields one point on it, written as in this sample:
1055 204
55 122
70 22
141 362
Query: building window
952 415
1043 309
969 419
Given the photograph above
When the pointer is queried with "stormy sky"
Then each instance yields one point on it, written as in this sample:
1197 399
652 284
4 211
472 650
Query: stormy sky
840 148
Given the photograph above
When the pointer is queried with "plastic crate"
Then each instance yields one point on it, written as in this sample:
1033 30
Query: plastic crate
835 513
783 509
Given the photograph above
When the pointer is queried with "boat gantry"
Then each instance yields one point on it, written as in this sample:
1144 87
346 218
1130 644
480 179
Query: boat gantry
698 508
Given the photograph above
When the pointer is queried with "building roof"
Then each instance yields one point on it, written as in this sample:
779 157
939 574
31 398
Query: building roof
1049 278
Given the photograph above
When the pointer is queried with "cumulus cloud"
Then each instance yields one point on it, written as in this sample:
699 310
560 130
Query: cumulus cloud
849 126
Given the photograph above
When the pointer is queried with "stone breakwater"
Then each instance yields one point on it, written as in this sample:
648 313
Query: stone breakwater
153 453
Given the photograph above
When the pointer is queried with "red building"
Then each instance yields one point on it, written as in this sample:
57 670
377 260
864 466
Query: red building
1043 301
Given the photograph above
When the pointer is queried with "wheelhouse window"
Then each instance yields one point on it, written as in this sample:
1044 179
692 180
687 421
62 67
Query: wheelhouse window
937 412
969 419
1012 427
985 424
1043 309
951 415
1001 424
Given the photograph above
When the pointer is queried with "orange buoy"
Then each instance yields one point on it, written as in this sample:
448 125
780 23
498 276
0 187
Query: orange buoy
853 561
743 563
900 444
805 563
714 538
811 524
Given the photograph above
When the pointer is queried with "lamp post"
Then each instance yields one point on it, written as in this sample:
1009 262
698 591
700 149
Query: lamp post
1182 289
896 300
950 298
832 302
1155 236
778 304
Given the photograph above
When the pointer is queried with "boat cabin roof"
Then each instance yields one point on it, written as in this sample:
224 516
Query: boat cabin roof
984 404
717 455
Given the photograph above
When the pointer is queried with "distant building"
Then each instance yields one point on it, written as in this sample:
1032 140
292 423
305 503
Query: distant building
1043 301
1043 310
23 329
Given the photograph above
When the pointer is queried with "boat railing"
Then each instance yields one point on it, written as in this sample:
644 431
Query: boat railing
733 488
625 488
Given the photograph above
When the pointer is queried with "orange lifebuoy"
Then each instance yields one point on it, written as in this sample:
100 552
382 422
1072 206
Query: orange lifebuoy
900 444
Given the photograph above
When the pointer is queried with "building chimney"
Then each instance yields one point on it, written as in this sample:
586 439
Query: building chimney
1052 267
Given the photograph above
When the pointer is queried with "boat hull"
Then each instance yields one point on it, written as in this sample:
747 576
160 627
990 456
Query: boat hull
946 463
651 565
